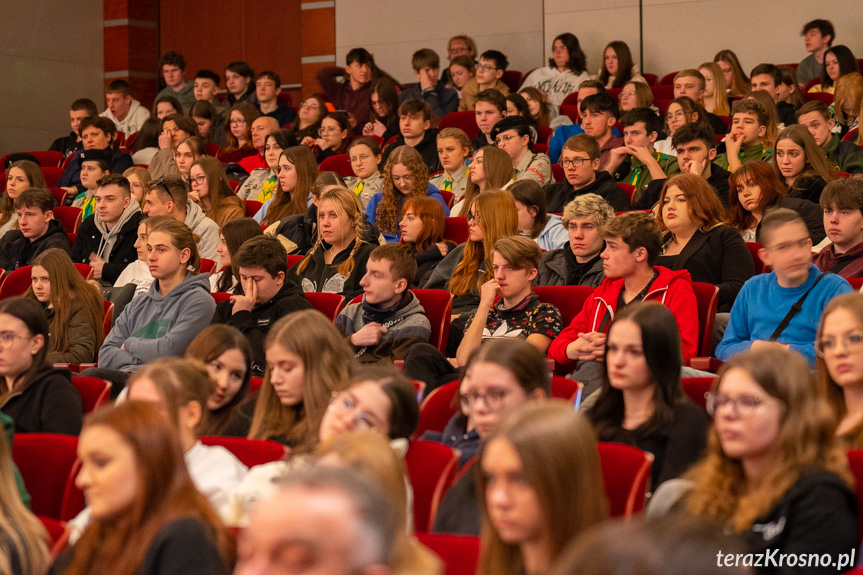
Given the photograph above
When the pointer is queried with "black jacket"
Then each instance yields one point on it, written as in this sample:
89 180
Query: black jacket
427 149
559 194
122 253
255 324
322 277
47 404
443 100
718 180
811 214
427 260
17 251
554 270
808 189
786 113
283 114
719 257
459 511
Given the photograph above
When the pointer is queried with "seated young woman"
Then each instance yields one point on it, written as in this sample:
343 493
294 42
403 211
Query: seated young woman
337 261
498 379
755 188
228 356
516 105
838 61
72 306
461 69
210 121
618 67
139 178
146 144
516 136
680 111
176 129
736 81
365 155
800 162
453 149
231 237
20 176
567 68
641 402
297 173
533 221
165 106
491 169
715 97
262 182
462 272
147 515
307 360
405 176
23 539
697 239
333 136
309 116
532 463
298 233
211 190
376 400
540 110
422 228
789 88
238 132
38 397
774 472
635 95
383 110
848 104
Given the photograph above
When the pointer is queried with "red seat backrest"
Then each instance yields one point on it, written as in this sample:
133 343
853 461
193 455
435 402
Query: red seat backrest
753 247
437 304
437 408
431 468
46 462
69 216
626 477
455 229
339 163
329 304
706 296
52 174
696 387
460 553
207 266
94 392
252 207
250 451
567 299
465 121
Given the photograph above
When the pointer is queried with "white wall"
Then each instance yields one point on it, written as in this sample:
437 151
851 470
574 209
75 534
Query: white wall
392 30
50 55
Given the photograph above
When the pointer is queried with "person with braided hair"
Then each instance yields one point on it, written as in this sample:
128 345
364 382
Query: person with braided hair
337 261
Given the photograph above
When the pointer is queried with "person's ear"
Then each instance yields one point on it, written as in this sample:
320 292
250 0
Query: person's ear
37 343
694 117
417 73
711 154
532 274
278 90
191 414
279 278
640 254
831 123
401 285
49 215
533 211
426 124
498 74
762 130
185 255
610 121
652 137
595 164
169 205
765 257
538 394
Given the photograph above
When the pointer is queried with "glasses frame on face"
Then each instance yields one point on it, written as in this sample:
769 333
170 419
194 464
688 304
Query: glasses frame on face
486 68
241 122
324 130
342 404
473 217
852 342
360 158
7 339
493 399
574 162
742 406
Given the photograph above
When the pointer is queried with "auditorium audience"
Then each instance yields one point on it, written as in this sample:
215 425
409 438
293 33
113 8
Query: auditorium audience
842 202
422 228
801 164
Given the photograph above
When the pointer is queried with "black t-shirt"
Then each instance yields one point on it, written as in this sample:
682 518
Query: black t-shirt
574 270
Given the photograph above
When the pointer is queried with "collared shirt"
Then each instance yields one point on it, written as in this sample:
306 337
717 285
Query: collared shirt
454 183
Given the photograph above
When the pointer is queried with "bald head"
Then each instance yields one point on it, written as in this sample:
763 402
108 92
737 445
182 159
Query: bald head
261 128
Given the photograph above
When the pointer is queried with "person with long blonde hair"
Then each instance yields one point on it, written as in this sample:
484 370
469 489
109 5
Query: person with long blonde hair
307 360
735 79
531 464
715 94
774 471
72 307
848 104
296 178
491 169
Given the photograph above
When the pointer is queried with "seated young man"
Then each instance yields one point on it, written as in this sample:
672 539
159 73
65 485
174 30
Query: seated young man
845 156
126 112
38 230
818 35
68 145
768 77
206 86
744 141
514 135
599 114
490 108
97 133
163 321
266 295
767 302
238 81
696 149
169 196
261 128
489 71
268 87
842 202
636 162
580 162
106 239
172 67
390 319
565 132
348 88
416 131
578 263
632 244
691 83
430 89
95 164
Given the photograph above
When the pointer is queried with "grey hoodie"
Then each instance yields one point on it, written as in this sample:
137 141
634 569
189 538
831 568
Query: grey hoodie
205 228
154 326
109 238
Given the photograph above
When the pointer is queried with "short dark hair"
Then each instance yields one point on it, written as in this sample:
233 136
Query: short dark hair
637 230
263 251
494 97
241 68
119 86
823 26
694 131
172 59
116 180
769 69
209 75
175 189
99 122
425 57
85 104
271 75
360 56
601 103
416 107
813 106
402 264
844 193
499 58
35 198
775 217
652 121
